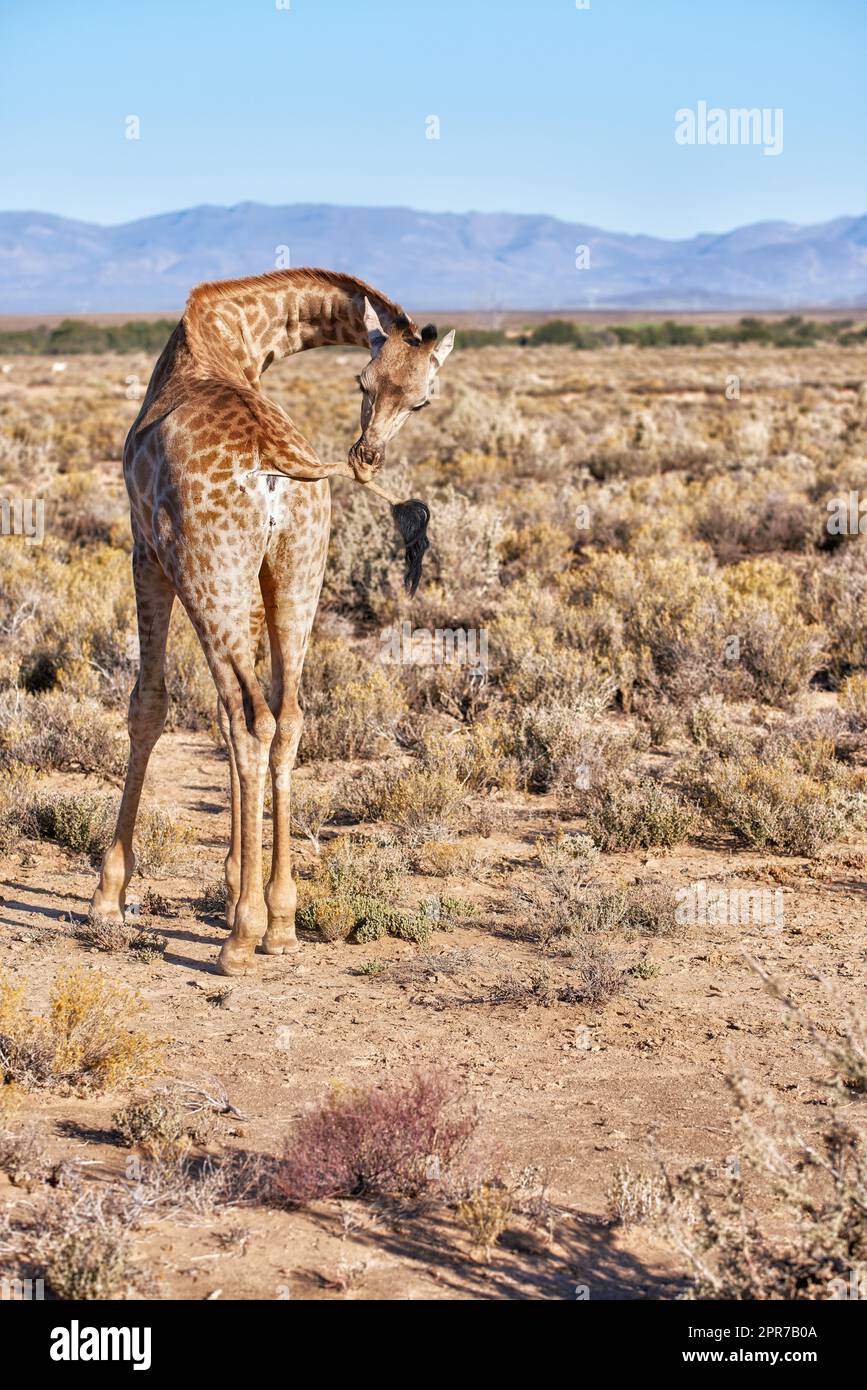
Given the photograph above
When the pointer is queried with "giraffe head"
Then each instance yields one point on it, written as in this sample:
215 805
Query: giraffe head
398 379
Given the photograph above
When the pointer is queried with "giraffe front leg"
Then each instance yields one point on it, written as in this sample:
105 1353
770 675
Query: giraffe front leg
281 894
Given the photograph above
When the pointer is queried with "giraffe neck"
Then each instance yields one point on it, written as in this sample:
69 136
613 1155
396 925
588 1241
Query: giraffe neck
243 326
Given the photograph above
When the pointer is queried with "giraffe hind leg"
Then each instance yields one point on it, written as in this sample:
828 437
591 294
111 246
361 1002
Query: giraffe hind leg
148 707
233 857
251 730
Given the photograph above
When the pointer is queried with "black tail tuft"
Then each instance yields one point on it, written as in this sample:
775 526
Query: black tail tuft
411 519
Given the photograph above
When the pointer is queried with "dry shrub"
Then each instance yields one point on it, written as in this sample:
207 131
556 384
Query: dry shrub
83 1249
429 965
161 842
835 597
551 903
853 698
80 637
540 549
595 975
463 565
103 934
481 755
115 937
352 892
749 514
399 1140
657 621
661 720
648 909
779 647
624 816
84 1042
445 858
710 722
664 622
772 805
83 822
352 707
424 801
563 902
651 910
174 1181
59 732
565 857
816 1187
556 747
78 821
636 1199
485 1213
512 988
355 864
312 809
363 573
540 654
17 787
811 746
157 1124
23 1157
363 918
192 697
211 901
444 908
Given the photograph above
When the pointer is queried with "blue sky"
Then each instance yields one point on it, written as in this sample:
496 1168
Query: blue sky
543 107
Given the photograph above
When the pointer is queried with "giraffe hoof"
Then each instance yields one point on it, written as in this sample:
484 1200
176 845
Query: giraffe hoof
280 945
236 960
100 911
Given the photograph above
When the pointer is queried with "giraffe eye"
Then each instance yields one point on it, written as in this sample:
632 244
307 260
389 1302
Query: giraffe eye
422 406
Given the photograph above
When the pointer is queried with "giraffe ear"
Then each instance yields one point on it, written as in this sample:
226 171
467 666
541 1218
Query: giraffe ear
375 333
443 348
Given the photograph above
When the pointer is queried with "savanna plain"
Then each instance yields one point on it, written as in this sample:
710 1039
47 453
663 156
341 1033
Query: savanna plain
579 1011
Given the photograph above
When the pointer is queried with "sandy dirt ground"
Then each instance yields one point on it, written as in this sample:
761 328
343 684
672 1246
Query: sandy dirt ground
565 1091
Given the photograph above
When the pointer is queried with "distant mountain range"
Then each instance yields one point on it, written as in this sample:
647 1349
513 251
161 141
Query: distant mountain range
428 260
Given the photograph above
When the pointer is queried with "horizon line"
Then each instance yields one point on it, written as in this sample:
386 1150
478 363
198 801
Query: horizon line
405 207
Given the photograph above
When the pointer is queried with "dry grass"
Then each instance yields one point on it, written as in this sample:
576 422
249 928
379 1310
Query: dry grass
639 817
83 1250
159 1124
773 805
485 1213
84 1041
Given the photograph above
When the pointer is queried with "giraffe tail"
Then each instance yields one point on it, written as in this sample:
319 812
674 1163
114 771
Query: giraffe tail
411 519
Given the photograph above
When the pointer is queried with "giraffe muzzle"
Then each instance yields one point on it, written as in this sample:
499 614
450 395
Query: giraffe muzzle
365 461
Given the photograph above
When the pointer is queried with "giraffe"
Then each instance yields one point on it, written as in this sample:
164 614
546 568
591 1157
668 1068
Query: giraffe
215 525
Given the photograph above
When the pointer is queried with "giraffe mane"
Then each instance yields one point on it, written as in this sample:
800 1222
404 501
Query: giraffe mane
213 291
